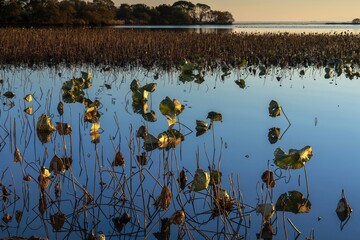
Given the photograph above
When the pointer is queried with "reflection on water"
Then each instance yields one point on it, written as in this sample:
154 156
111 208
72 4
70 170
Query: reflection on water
99 165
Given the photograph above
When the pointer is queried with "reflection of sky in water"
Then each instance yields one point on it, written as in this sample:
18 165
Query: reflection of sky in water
244 130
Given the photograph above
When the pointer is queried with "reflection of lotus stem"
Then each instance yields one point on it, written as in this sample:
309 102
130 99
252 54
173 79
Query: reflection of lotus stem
294 227
282 109
306 180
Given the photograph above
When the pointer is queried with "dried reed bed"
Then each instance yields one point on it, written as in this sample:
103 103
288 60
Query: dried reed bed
165 49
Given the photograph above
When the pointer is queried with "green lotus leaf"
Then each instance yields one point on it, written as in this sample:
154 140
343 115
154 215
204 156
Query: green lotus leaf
295 159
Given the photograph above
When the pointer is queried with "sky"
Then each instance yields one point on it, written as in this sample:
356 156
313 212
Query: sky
276 10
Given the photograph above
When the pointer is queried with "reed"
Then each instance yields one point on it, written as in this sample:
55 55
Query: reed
165 49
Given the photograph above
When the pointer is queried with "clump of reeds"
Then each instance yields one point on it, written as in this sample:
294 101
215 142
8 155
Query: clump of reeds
165 49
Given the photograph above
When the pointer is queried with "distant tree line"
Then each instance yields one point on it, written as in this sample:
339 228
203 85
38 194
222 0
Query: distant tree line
104 12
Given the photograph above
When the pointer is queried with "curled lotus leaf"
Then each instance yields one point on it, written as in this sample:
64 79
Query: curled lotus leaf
170 138
295 159
9 94
328 72
140 107
201 127
186 67
171 109
222 201
44 124
60 108
293 201
151 87
91 115
134 85
86 75
140 95
150 116
7 218
150 142
182 179
118 160
28 98
177 218
18 216
142 132
95 136
44 179
164 233
57 220
44 137
267 210
120 222
268 178
201 180
241 83
274 135
17 156
214 116
274 109
163 201
63 128
343 209
215 177
29 110
57 165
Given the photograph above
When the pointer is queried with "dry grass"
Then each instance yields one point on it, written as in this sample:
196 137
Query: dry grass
165 49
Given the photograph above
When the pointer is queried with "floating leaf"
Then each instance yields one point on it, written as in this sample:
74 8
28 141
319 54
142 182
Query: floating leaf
60 108
177 218
274 135
343 208
63 128
241 83
214 116
170 138
201 127
120 222
151 142
182 179
267 210
28 98
57 220
141 132
9 94
118 160
17 156
293 201
268 178
201 180
86 75
18 216
163 201
171 109
28 110
274 109
44 124
134 85
294 160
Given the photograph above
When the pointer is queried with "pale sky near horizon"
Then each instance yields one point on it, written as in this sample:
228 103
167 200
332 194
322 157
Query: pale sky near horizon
276 10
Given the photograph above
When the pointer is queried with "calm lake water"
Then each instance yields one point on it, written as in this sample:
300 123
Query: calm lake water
324 113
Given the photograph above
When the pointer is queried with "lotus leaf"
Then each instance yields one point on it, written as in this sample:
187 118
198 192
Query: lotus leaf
134 85
268 178
182 179
343 209
262 70
7 218
95 136
274 109
170 138
201 127
120 222
215 177
242 63
28 98
150 116
164 233
140 107
241 83
214 116
118 160
294 160
163 201
142 159
201 180
186 67
44 137
151 87
178 217
91 115
267 210
28 110
43 179
18 216
328 73
140 96
9 94
63 128
44 124
274 135
86 75
57 220
141 132
56 165
171 109
151 142
17 156
293 201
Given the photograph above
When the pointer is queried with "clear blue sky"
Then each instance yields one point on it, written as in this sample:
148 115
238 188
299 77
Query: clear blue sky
276 10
